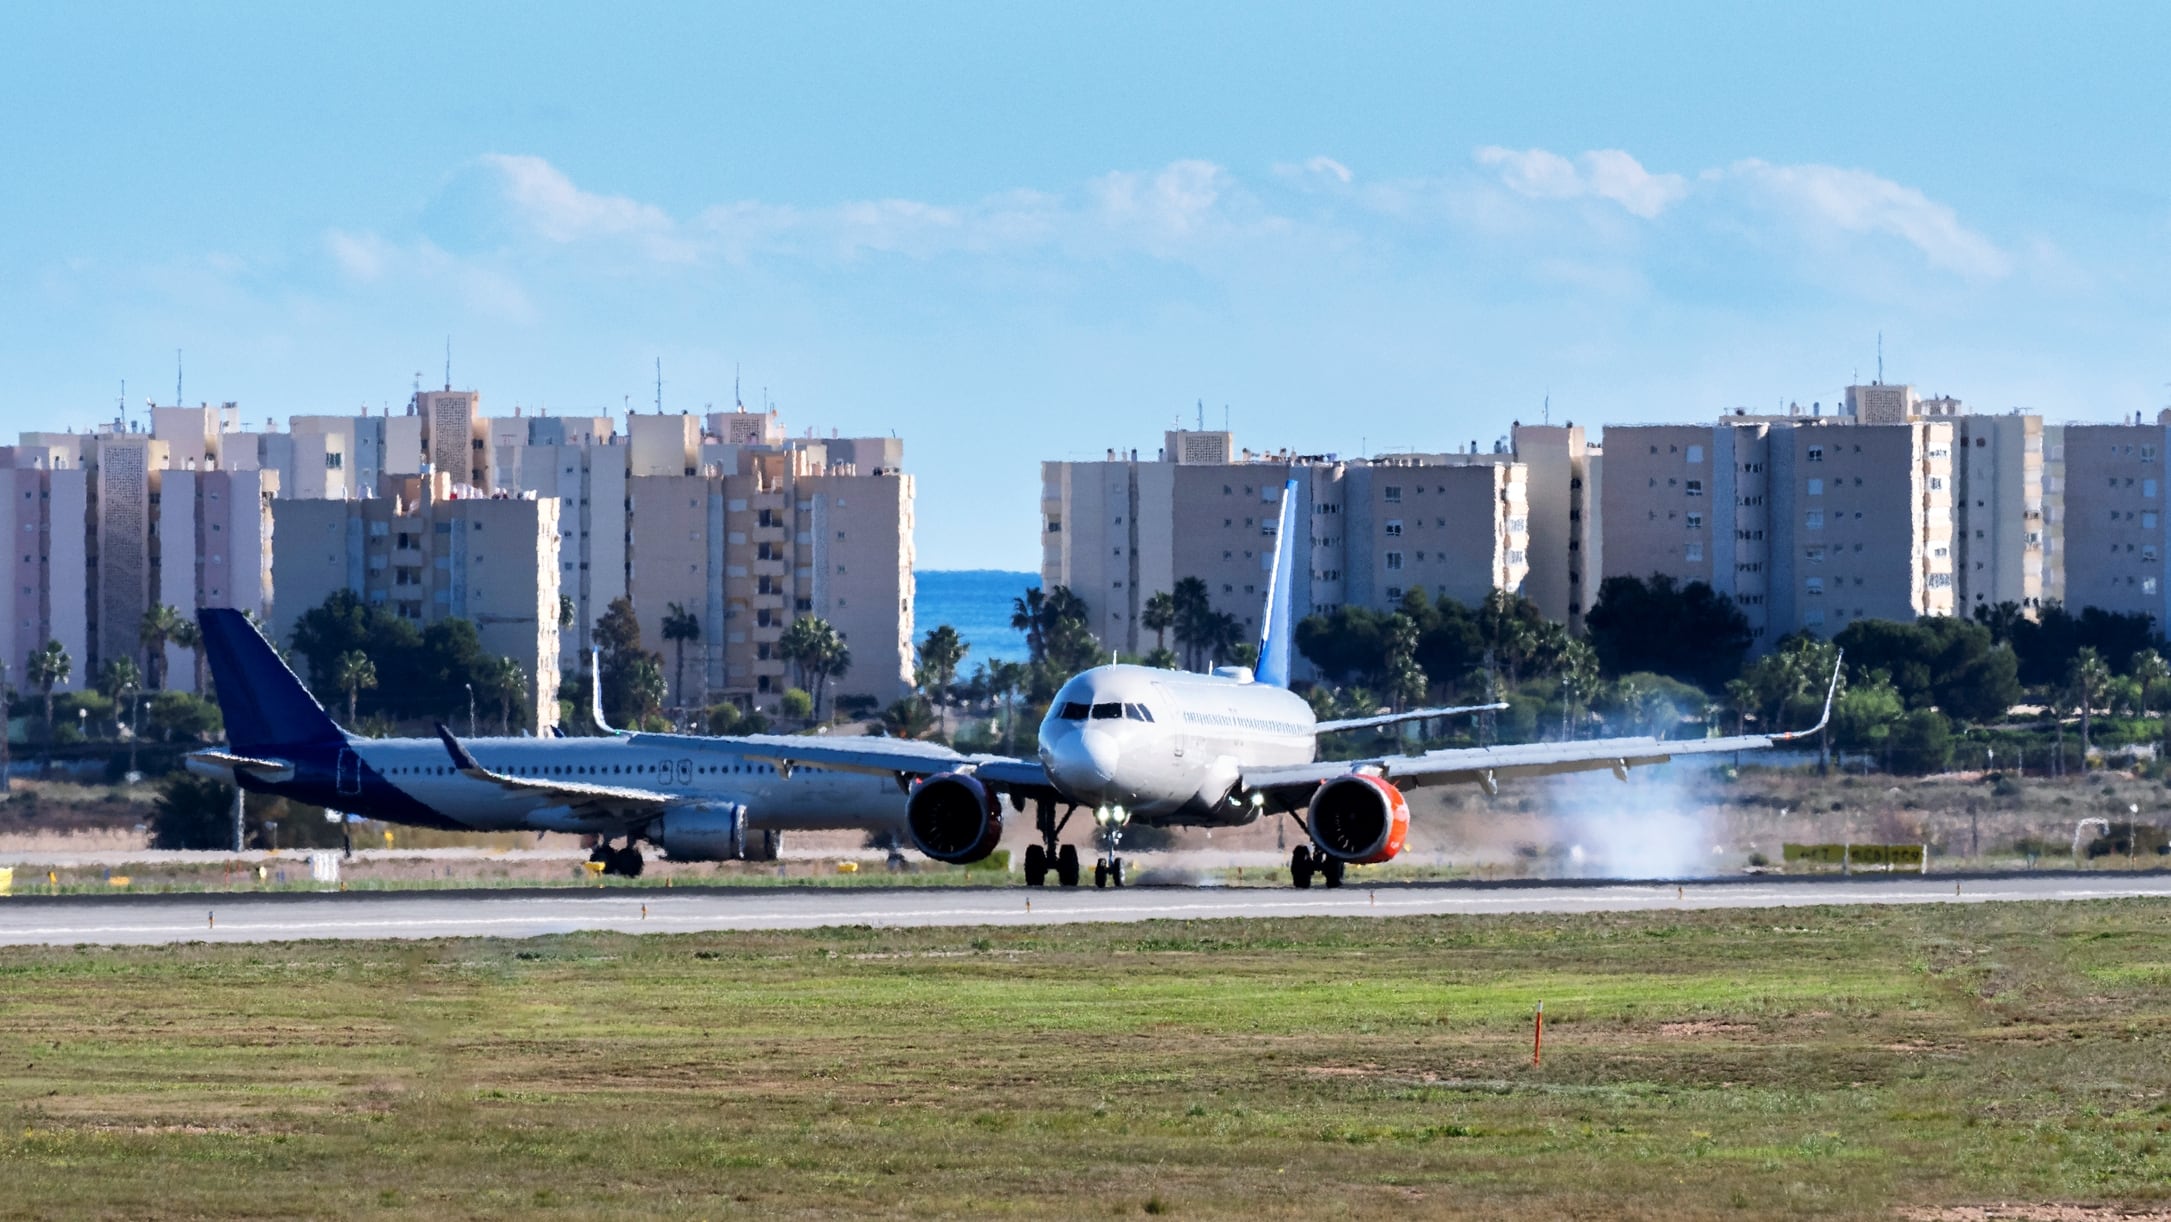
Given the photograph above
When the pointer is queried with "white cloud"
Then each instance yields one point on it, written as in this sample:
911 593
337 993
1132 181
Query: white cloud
1607 174
1857 202
370 259
561 212
1314 170
1818 201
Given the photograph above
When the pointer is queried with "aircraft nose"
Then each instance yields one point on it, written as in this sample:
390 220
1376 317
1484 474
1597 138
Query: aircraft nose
1085 763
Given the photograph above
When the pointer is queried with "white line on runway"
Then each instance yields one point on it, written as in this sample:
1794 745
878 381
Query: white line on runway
426 916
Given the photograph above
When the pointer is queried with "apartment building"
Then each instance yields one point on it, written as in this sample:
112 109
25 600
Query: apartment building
1118 531
727 517
1806 521
110 523
425 553
2114 527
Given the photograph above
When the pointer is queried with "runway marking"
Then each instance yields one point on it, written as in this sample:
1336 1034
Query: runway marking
529 916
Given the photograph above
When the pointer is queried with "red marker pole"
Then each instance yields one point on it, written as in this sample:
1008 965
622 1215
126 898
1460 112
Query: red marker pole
1537 1035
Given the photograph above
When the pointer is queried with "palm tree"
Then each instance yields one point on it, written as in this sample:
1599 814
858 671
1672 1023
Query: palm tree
1194 620
821 654
1406 682
1004 680
2088 676
940 655
160 625
2150 671
1027 615
50 667
679 627
1578 682
508 685
1159 616
189 635
354 672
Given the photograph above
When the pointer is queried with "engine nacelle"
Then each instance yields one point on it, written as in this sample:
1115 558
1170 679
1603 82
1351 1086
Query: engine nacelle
953 818
1359 818
701 831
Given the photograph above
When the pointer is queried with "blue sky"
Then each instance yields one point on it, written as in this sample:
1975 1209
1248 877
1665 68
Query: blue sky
1019 232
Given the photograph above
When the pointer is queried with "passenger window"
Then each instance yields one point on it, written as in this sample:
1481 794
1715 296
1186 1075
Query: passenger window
1110 711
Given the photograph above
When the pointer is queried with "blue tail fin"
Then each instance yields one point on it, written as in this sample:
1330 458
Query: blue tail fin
263 703
1273 668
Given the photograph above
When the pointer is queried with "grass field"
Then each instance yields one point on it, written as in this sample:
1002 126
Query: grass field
1812 1061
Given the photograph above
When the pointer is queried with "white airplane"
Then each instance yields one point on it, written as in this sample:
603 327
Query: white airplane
1173 749
715 805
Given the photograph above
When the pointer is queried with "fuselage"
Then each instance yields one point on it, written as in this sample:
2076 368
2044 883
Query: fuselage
1171 746
412 781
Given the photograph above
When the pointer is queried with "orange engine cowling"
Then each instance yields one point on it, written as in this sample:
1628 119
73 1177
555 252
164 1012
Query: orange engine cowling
954 818
1359 818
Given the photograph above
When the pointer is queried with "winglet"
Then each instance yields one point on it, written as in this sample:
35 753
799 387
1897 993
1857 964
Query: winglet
1839 663
461 759
595 693
1273 668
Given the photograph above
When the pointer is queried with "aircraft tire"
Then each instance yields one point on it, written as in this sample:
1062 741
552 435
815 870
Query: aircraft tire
1066 865
1115 872
1332 867
627 862
1300 866
1100 873
1036 866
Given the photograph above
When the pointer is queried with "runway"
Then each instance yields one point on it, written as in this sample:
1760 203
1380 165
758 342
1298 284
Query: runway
141 920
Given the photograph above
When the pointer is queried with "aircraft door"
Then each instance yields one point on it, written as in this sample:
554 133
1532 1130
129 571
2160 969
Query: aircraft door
685 772
1173 715
349 772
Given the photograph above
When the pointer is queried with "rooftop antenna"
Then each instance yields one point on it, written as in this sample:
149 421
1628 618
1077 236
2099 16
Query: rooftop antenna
737 400
1224 417
124 400
659 386
448 364
418 381
1880 358
177 377
1548 417
1202 415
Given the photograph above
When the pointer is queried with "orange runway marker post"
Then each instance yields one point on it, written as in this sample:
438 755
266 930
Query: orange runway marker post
1537 1036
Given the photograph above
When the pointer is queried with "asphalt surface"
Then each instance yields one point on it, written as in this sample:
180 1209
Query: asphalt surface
34 920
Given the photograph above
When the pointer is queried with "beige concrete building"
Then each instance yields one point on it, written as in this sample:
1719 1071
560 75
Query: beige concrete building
1806 521
729 518
109 523
425 553
1118 531
2115 529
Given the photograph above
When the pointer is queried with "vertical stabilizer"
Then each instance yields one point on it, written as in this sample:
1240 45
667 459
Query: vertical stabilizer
262 703
1273 668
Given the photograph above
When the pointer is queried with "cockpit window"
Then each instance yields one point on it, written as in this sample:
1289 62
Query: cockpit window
1111 711
1138 712
1073 711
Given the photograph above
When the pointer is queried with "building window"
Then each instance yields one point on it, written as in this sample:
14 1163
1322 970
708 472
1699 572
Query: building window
1814 519
1815 587
2148 488
1393 493
1394 528
1816 487
1394 562
1695 521
1814 555
1816 453
1692 551
1694 487
1696 453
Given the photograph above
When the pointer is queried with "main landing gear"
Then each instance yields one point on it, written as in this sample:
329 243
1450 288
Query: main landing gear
1305 861
1050 853
625 862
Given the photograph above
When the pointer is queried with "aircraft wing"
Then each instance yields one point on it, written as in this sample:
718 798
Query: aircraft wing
903 758
602 799
1487 766
1388 719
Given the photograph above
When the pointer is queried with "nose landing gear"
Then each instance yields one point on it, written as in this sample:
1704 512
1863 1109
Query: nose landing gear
1050 854
1110 868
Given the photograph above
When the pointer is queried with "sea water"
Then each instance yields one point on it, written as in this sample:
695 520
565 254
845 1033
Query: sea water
978 603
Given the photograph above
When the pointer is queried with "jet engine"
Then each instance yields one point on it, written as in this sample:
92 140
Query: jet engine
954 818
701 831
1359 818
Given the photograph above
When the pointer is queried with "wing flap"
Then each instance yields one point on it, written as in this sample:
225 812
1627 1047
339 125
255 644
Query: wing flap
1388 719
617 797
